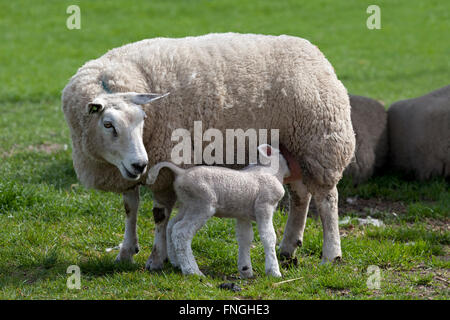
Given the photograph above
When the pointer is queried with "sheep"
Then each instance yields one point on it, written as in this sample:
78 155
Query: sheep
369 119
248 194
419 134
225 81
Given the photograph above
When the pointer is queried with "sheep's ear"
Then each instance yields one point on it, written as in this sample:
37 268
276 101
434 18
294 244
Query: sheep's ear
94 107
144 98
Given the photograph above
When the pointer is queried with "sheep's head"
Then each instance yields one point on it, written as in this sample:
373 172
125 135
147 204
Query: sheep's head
114 135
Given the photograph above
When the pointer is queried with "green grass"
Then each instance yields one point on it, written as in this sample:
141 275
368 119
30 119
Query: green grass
48 221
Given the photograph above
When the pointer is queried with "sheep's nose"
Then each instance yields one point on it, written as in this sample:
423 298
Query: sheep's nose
139 166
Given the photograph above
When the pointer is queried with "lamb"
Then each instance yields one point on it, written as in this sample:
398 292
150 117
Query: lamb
248 194
226 81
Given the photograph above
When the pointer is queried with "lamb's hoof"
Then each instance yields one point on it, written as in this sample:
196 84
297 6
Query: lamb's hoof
174 263
273 273
246 272
198 273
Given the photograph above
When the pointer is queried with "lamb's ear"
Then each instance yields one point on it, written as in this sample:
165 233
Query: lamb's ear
94 107
144 98
266 151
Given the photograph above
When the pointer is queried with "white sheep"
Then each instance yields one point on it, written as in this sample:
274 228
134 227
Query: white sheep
248 194
227 81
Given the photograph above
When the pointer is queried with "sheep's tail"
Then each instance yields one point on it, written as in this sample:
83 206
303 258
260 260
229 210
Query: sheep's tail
154 171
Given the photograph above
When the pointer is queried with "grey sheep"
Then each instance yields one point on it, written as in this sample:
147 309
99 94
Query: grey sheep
369 119
419 134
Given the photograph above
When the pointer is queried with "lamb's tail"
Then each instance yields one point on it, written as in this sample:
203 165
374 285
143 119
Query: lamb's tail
154 171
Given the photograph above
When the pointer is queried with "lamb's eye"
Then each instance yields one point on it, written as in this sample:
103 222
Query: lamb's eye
107 125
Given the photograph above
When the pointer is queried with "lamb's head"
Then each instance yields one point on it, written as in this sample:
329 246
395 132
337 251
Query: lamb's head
271 157
115 131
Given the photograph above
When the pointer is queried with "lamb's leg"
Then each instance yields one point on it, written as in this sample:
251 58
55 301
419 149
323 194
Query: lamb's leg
162 208
327 206
130 244
264 214
295 226
244 234
170 248
182 234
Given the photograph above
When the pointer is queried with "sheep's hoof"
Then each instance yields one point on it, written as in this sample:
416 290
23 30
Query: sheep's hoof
126 254
150 265
288 260
335 260
124 259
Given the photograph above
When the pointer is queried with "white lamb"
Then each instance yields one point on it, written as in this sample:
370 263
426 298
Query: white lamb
248 194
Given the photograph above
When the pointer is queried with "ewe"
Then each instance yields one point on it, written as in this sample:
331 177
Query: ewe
227 81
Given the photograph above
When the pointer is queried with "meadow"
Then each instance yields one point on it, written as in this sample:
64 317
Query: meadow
48 221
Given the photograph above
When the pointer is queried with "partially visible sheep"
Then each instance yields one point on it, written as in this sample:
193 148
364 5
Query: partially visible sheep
419 134
248 194
369 119
226 81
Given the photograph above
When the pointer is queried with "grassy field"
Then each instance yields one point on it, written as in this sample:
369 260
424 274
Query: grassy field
48 221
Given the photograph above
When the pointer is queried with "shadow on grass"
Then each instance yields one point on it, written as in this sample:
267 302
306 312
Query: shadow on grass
55 169
50 268
396 186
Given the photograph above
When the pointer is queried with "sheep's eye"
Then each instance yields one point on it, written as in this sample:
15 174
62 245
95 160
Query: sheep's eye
108 125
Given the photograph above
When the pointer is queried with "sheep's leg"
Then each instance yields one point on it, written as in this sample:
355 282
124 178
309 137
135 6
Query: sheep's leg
244 234
162 208
295 226
182 234
170 248
130 244
268 237
327 206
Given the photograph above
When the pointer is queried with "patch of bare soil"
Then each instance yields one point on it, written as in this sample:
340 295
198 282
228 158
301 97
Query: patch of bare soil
365 207
437 224
438 283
